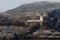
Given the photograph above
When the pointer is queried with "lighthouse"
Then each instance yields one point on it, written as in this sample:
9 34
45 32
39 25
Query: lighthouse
35 21
41 19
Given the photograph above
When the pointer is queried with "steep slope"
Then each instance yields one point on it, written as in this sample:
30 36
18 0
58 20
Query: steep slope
40 7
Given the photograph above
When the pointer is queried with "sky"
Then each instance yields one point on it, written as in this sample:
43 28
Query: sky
10 4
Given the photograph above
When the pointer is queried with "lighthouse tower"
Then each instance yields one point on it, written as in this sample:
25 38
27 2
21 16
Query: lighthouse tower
41 19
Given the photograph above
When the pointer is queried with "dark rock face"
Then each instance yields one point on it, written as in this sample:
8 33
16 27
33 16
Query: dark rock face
57 26
16 37
5 21
35 28
53 19
31 31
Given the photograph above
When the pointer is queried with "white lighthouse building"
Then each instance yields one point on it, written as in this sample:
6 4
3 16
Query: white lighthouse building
32 22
